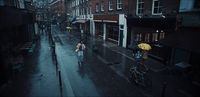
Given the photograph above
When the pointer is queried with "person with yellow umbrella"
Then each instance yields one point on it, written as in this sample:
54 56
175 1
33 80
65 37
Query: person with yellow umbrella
145 48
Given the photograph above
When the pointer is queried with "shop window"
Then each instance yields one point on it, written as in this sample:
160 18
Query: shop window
162 35
154 37
139 37
147 37
113 32
99 29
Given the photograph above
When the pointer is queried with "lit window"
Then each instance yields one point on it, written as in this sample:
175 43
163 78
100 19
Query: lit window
162 35
140 7
110 5
147 37
156 8
119 4
139 37
155 37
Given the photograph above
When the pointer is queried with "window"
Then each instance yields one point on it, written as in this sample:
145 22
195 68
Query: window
140 7
147 37
186 5
162 35
197 4
113 32
1 2
156 8
110 5
102 6
97 7
90 9
83 11
189 5
155 37
99 29
139 37
21 4
119 4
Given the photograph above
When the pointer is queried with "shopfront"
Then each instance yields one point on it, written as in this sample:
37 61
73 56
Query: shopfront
111 28
151 31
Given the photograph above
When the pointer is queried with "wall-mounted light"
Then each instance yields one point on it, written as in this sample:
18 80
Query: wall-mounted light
163 16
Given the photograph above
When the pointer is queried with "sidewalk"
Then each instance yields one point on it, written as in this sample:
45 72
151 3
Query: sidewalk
38 78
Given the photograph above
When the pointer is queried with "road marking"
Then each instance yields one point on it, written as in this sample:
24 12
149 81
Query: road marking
102 59
122 54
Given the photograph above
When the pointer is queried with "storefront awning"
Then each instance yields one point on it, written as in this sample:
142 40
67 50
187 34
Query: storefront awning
79 21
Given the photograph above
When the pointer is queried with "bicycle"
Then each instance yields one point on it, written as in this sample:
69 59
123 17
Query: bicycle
140 77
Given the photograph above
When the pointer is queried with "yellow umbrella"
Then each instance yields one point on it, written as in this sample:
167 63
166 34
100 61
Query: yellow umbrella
144 46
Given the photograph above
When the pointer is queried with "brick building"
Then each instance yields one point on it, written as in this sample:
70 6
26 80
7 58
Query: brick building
150 21
109 18
183 44
57 9
17 21
103 18
81 15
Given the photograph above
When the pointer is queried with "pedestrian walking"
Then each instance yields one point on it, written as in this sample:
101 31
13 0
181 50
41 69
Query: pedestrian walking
80 51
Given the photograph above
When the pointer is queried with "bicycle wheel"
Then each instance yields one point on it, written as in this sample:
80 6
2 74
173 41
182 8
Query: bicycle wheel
147 80
134 77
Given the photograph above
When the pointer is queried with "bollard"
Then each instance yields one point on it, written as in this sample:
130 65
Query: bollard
60 81
164 89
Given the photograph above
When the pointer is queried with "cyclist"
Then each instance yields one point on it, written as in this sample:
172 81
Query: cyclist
80 50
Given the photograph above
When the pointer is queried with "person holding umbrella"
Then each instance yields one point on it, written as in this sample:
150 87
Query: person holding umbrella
145 48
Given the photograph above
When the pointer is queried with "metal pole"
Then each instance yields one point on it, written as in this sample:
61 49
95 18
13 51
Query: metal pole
164 89
60 81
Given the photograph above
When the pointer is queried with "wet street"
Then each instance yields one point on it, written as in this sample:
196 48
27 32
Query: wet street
104 73
94 77
132 48
40 76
